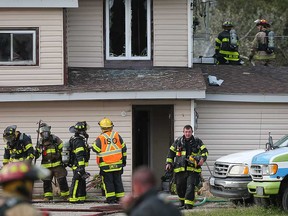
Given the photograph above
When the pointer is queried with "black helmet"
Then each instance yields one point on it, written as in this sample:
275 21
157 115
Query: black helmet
227 24
79 127
9 133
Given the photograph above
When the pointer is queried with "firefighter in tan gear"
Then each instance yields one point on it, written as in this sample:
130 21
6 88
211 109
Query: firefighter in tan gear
50 148
189 153
111 158
18 146
80 155
17 179
263 44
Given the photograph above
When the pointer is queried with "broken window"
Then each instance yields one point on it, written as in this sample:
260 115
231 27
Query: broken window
17 47
128 32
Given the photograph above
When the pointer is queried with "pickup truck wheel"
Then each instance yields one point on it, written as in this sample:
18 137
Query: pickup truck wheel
263 202
285 200
257 201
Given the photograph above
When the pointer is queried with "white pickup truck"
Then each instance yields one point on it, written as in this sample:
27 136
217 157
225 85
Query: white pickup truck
231 176
231 173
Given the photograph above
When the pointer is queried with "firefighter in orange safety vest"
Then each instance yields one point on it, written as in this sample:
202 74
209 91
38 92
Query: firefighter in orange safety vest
111 158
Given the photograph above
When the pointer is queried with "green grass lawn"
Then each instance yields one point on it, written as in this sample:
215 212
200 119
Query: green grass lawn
239 211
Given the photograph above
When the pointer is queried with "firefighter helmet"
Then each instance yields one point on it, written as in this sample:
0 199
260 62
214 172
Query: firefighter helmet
9 133
21 170
105 124
227 24
79 127
262 22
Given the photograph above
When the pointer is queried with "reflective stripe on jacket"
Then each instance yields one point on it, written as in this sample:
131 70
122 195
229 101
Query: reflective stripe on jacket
111 151
178 154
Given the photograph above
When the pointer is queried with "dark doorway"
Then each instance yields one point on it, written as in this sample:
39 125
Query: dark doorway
153 133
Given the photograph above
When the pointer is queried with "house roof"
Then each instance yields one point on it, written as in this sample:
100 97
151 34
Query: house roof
95 83
241 83
261 80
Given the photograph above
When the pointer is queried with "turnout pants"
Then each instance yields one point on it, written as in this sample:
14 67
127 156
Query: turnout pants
60 174
77 189
113 185
185 185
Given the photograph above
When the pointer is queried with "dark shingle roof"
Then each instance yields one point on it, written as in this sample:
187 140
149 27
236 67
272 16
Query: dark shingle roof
247 79
112 80
237 80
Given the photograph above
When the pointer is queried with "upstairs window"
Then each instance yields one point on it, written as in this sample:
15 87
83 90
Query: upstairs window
128 30
18 47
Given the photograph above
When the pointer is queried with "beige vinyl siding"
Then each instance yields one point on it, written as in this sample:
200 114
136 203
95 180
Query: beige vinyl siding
51 67
170 24
85 34
227 127
62 115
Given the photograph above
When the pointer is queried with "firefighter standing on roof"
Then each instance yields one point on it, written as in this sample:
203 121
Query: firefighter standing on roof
111 158
17 180
263 44
79 160
226 46
50 147
190 153
19 146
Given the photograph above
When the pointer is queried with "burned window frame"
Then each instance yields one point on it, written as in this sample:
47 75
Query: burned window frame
34 32
128 32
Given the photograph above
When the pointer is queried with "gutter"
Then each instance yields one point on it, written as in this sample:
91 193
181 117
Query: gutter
66 96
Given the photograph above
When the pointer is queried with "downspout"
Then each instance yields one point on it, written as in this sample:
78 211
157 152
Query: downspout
65 55
190 32
193 114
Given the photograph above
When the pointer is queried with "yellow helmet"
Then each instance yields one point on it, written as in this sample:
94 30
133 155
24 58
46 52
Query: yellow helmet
106 123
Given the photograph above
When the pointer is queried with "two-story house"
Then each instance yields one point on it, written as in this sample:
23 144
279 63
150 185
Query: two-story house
64 61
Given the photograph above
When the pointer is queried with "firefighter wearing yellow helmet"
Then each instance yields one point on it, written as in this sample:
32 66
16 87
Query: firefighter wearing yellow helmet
111 158
17 179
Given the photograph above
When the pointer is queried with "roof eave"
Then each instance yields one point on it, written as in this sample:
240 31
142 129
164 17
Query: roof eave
38 4
131 95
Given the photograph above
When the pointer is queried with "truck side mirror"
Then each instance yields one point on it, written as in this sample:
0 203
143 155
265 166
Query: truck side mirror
269 146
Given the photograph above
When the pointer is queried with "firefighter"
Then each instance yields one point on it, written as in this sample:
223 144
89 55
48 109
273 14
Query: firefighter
226 46
79 160
263 44
18 146
50 148
189 153
17 179
111 158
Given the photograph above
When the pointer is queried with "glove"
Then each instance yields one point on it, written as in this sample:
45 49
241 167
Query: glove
36 154
80 173
201 162
168 167
124 163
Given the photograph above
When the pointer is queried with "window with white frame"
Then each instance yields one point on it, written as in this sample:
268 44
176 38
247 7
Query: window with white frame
128 30
18 47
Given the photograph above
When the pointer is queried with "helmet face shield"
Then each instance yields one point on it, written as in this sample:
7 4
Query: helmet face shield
45 135
9 138
9 133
